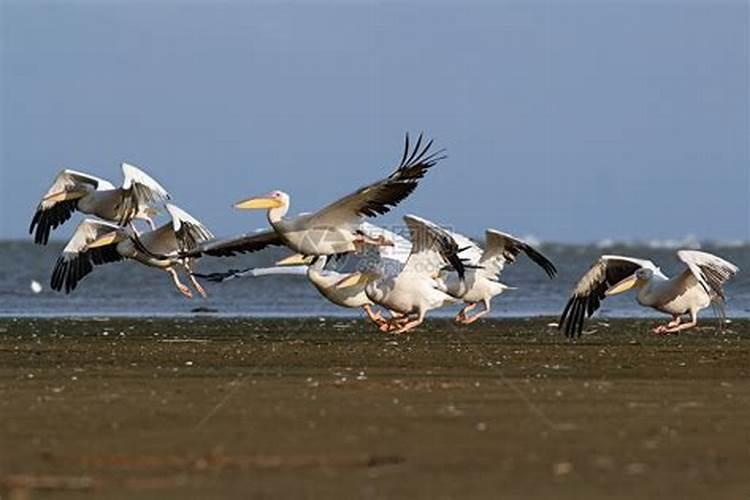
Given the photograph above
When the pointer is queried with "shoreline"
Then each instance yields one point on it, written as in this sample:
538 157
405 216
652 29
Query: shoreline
230 408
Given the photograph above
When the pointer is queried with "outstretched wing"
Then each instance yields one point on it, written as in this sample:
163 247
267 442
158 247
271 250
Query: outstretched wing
709 270
590 289
61 200
140 190
379 197
188 230
502 249
432 248
245 243
469 250
77 260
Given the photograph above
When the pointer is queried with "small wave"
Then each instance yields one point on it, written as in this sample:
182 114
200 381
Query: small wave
689 242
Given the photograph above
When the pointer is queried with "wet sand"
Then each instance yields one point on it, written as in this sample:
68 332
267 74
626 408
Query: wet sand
238 408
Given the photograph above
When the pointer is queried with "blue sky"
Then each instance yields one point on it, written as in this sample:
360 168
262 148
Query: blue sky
572 121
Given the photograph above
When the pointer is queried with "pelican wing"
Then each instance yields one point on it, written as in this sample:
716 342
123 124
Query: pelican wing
432 249
502 249
139 191
61 200
77 260
245 243
590 289
379 197
710 271
398 252
469 250
189 231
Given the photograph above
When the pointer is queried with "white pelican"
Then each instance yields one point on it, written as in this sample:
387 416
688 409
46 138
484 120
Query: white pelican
483 268
417 288
96 242
325 280
334 229
91 195
322 279
697 287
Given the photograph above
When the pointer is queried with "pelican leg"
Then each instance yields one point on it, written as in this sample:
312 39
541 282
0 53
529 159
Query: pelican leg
374 316
197 286
189 270
661 329
362 241
684 326
411 324
471 319
394 323
182 288
461 316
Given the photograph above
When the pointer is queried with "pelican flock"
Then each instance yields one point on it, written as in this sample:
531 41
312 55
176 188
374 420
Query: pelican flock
397 281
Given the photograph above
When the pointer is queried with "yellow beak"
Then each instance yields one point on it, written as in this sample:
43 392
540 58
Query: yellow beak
257 203
295 260
622 286
103 241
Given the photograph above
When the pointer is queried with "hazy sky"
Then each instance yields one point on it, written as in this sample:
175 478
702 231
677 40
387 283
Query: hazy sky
571 121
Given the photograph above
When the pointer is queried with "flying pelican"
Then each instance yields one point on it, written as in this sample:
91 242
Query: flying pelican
697 287
416 288
335 228
483 268
91 195
324 280
96 242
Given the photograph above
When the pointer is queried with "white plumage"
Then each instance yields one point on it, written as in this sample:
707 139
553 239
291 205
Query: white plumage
696 288
483 269
72 190
97 242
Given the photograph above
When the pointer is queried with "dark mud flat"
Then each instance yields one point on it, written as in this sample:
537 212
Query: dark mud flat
223 408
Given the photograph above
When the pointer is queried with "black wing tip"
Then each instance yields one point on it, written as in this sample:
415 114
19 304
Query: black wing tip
417 157
572 317
540 259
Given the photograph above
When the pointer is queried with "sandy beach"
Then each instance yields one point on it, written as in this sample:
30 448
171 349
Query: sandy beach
329 408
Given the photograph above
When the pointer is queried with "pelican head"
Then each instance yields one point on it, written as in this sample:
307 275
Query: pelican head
274 199
637 279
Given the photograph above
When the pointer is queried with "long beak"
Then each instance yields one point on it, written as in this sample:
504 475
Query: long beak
257 203
103 241
64 195
622 286
296 260
353 280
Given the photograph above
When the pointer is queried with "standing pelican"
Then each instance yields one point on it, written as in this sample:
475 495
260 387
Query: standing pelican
417 288
335 228
96 242
91 195
697 287
483 268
